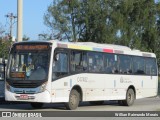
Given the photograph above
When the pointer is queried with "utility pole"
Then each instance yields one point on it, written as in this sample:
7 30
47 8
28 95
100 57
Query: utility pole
20 21
12 18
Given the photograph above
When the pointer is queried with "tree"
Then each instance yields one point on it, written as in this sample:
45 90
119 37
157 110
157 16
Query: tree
4 47
57 19
157 41
82 20
4 43
133 23
125 22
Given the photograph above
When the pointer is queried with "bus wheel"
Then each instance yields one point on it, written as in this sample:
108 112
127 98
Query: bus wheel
96 102
130 97
37 105
74 99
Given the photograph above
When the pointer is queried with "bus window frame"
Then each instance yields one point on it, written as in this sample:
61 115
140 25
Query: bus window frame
102 53
155 64
131 63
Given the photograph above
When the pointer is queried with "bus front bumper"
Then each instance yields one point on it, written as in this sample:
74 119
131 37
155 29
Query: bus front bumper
43 97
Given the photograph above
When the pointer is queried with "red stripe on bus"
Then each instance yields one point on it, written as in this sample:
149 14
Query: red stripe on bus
108 50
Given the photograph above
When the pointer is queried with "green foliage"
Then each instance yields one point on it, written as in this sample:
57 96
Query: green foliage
4 47
133 23
4 43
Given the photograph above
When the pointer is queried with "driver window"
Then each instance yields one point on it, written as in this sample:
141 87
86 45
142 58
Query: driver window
60 65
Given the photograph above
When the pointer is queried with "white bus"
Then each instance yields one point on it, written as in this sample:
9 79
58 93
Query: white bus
62 72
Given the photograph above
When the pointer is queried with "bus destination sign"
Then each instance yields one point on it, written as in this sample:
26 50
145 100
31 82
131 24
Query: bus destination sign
18 75
32 47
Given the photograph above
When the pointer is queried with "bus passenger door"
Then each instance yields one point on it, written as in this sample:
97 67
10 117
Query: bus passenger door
59 73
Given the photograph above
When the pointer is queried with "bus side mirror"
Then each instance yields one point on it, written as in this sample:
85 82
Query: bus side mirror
56 57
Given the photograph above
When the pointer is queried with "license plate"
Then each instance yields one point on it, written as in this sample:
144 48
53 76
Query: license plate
24 97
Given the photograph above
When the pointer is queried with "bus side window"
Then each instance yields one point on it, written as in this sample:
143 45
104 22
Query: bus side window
95 61
60 65
109 63
84 62
125 66
151 66
90 61
78 61
138 65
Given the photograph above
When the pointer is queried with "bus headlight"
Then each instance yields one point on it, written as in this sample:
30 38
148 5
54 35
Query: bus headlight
43 87
8 86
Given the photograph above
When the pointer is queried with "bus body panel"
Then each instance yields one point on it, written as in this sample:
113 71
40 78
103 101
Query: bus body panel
104 87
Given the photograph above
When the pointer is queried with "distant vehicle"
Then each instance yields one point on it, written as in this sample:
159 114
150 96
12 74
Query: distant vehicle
1 81
61 72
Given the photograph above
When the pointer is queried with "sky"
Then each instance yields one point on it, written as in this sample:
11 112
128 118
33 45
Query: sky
33 12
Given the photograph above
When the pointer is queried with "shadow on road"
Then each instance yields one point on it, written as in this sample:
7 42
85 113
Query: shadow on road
53 106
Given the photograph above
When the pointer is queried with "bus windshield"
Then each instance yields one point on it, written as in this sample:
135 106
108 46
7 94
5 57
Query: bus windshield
29 64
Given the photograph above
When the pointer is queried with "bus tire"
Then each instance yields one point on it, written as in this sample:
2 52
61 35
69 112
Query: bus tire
96 102
130 97
37 105
74 99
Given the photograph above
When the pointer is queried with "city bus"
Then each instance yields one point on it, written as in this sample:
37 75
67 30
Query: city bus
41 72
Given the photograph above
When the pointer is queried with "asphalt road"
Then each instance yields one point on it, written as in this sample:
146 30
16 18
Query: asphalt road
146 104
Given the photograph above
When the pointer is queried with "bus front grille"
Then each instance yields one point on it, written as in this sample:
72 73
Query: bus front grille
25 85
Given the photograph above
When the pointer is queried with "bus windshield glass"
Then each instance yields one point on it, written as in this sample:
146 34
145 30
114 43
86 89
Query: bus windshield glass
29 62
